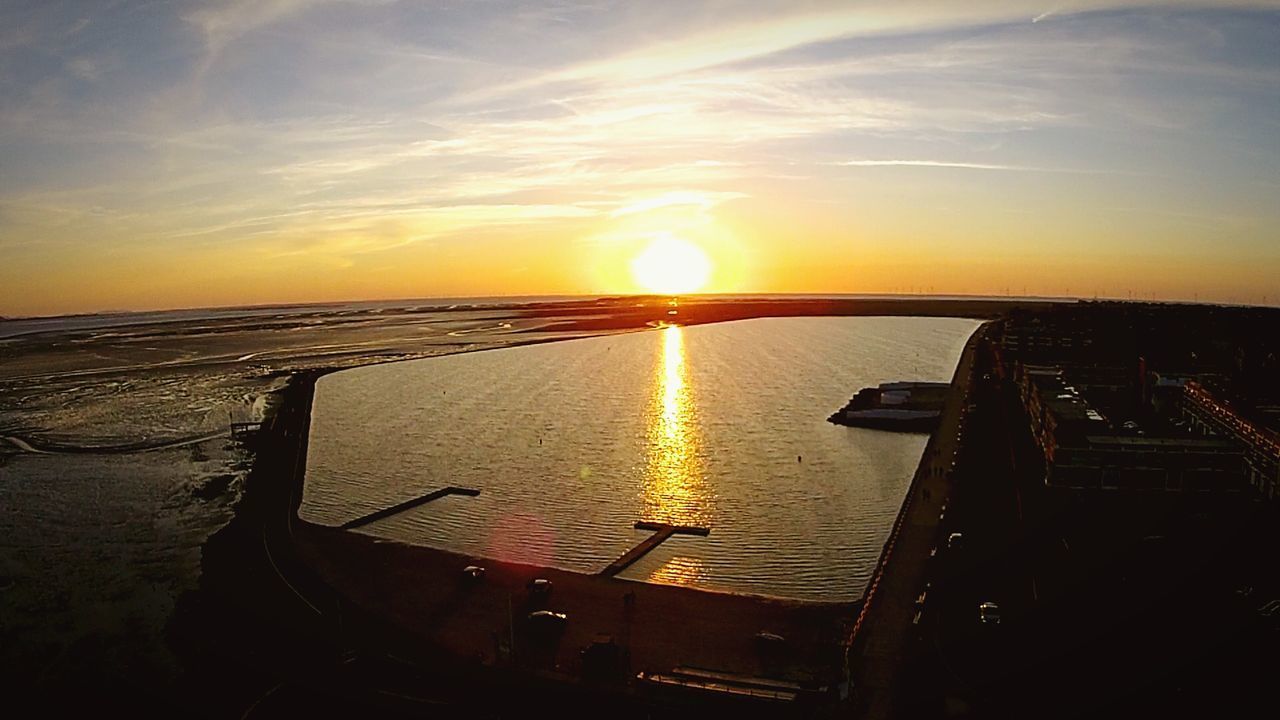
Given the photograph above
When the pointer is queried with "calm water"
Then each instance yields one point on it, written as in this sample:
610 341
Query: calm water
722 426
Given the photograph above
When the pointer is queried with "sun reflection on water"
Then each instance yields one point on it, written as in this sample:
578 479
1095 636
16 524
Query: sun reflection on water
675 489
680 570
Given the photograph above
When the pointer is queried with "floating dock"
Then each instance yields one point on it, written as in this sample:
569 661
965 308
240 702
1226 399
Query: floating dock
661 531
406 505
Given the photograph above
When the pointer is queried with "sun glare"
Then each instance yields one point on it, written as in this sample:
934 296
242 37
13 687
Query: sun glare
671 266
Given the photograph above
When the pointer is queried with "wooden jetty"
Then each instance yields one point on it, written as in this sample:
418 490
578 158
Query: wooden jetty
661 531
406 505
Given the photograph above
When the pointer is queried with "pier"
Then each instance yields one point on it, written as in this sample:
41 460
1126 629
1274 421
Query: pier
407 505
661 531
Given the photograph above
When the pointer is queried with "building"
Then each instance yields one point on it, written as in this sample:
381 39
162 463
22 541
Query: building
1211 415
1137 462
1057 412
1084 450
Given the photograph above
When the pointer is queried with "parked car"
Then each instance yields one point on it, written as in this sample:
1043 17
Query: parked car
989 613
767 641
539 587
547 621
955 541
1271 609
472 573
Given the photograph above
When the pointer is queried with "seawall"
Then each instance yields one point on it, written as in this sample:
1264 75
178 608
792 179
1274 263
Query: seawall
876 644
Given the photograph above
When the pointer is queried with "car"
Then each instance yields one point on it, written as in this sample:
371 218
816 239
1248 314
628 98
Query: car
472 573
539 586
765 639
604 660
955 541
1270 609
547 620
989 613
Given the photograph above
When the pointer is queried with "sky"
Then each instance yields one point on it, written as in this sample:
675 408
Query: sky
189 154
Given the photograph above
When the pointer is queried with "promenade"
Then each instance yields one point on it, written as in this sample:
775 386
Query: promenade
886 627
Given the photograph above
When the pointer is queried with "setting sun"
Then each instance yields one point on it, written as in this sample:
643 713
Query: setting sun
670 266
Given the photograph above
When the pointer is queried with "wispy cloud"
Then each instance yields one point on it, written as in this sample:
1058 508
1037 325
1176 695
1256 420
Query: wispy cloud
959 166
729 41
703 200
222 23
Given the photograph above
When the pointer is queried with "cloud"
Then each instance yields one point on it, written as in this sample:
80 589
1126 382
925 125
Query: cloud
84 68
730 42
78 26
460 117
597 147
699 199
221 23
955 165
